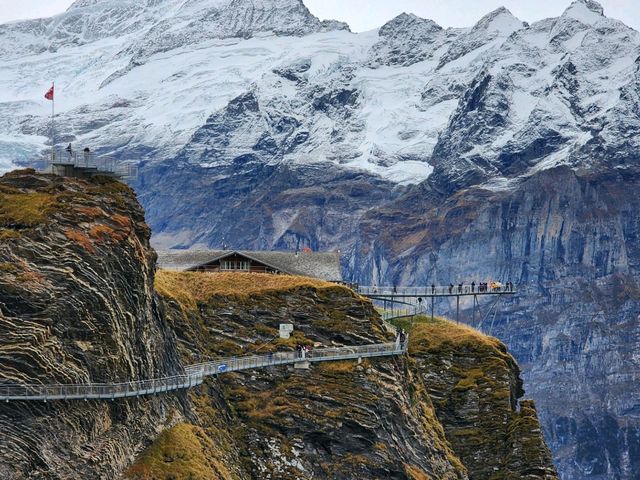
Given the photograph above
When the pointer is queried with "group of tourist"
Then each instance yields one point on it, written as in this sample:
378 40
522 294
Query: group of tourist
473 287
303 351
482 287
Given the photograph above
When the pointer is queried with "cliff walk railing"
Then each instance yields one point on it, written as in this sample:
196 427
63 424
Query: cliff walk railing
194 374
437 291
89 161
388 316
413 297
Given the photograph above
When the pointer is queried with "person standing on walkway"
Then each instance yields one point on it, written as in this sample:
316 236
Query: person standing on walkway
433 289
473 287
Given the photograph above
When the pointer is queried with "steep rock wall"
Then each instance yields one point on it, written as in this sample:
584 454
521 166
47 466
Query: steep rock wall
477 392
339 420
378 419
569 241
77 305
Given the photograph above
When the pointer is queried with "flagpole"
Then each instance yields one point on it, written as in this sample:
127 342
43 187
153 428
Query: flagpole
53 128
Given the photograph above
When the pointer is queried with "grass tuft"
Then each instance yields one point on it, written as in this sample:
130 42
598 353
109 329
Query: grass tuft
430 336
25 209
179 454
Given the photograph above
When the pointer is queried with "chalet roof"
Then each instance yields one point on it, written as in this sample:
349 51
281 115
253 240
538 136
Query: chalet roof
320 265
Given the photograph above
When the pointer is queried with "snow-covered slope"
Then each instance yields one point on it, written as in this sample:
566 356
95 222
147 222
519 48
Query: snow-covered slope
150 80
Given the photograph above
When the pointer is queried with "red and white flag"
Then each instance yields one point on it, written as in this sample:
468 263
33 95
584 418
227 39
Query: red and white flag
49 94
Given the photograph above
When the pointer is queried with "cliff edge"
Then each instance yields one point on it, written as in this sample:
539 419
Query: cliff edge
77 305
452 409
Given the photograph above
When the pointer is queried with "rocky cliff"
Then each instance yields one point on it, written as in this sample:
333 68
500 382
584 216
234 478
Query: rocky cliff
570 242
77 305
477 393
379 419
392 145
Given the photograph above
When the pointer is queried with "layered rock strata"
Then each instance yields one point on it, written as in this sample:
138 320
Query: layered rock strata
77 305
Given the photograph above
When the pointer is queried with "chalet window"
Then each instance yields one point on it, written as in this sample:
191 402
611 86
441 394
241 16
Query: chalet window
235 265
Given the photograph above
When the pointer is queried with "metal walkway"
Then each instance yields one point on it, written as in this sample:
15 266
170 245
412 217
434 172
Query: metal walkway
194 374
429 292
409 296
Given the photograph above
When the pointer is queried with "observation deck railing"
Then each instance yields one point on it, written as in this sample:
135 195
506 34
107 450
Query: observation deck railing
91 161
194 374
439 291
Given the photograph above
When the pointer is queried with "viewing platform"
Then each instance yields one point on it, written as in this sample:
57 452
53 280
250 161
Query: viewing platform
439 291
88 164
414 296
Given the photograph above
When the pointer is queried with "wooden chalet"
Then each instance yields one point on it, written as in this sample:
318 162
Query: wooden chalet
320 265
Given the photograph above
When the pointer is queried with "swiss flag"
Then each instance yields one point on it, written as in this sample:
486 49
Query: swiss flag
49 94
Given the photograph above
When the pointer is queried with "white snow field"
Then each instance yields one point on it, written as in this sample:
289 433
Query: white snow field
138 79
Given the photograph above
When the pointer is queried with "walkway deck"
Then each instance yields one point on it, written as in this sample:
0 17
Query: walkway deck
194 375
431 292
414 296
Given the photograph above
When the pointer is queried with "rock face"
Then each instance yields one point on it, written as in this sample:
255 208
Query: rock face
569 241
476 389
77 306
378 419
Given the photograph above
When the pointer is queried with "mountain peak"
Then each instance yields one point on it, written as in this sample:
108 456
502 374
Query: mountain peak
590 4
411 24
500 20
585 11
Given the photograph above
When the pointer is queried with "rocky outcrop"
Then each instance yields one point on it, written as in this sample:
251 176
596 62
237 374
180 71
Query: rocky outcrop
77 305
477 393
339 420
379 419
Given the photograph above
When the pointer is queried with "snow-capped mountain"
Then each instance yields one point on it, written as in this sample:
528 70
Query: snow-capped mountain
257 124
157 76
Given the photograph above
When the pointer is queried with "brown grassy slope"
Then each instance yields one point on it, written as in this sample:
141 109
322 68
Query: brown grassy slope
190 288
334 407
432 336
